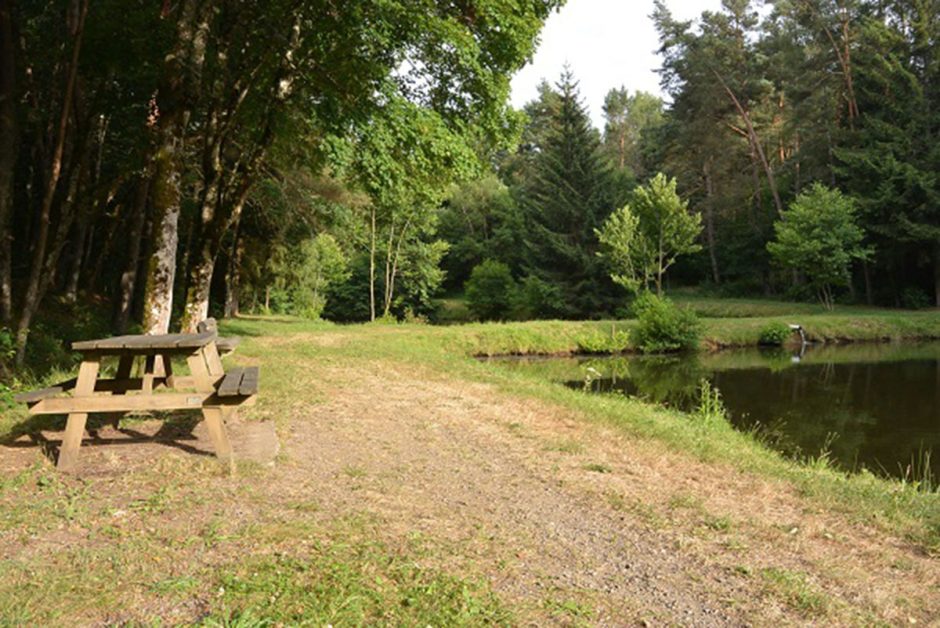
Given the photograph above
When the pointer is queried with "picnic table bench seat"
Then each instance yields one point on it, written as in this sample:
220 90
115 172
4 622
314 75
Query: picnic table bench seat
33 396
241 382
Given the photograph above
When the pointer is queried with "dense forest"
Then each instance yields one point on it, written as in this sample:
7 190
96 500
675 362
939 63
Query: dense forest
356 160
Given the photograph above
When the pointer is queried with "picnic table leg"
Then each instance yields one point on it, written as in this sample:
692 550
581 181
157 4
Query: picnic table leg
75 425
214 417
125 366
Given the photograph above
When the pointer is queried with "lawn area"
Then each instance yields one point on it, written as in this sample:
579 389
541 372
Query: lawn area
418 486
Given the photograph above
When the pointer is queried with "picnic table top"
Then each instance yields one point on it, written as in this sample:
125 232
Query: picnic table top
147 343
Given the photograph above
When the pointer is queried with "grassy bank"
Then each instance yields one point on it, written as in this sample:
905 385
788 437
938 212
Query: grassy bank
561 337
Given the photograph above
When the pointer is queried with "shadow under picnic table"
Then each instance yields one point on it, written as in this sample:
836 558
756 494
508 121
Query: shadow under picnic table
174 430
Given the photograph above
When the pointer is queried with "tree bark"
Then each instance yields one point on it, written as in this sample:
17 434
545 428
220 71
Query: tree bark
203 263
936 274
175 101
128 282
372 267
9 134
755 144
710 222
233 274
35 282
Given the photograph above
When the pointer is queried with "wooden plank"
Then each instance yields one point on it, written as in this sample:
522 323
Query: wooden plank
132 403
230 383
33 396
132 343
227 345
213 361
75 425
249 383
214 422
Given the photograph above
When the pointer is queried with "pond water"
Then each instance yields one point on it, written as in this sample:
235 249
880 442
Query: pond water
873 406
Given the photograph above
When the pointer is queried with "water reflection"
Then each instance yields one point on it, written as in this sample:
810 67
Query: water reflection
874 406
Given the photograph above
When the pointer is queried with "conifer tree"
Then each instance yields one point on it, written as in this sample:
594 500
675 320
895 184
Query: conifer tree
568 197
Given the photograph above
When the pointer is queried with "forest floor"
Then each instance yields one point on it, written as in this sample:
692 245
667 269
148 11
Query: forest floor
414 485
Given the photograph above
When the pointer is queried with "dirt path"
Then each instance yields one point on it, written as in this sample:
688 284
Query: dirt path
563 514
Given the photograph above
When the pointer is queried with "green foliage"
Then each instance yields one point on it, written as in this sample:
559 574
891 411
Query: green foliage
775 334
643 239
711 408
490 290
913 298
662 327
566 195
481 220
819 236
630 118
537 299
599 342
303 276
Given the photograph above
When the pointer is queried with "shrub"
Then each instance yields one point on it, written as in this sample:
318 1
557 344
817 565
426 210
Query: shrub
662 327
913 298
774 334
537 299
490 290
599 342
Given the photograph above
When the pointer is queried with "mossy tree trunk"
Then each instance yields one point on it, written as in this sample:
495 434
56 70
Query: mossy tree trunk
174 103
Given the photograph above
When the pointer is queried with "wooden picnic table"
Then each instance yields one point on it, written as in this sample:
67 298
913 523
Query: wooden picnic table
157 388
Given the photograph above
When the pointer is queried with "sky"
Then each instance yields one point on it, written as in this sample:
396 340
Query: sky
607 43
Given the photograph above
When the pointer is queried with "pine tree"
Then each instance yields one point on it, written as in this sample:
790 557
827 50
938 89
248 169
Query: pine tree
568 197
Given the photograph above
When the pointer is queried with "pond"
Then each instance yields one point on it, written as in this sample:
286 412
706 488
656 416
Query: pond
872 406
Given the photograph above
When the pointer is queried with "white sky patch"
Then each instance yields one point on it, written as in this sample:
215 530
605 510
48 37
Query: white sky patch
607 43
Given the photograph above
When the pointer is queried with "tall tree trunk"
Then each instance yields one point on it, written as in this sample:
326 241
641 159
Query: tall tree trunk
9 134
203 262
34 291
936 274
70 294
233 273
710 222
175 101
755 144
372 267
128 283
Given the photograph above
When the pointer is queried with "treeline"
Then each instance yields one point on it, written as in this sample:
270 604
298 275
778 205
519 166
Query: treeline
838 92
353 160
164 155
828 107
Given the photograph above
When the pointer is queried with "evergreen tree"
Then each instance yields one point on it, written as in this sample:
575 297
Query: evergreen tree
567 198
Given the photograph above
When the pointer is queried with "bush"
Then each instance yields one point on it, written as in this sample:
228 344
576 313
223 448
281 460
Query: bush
913 298
774 334
490 290
598 342
537 299
662 327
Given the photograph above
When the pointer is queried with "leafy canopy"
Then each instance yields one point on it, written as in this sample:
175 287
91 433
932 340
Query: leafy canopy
819 236
642 239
